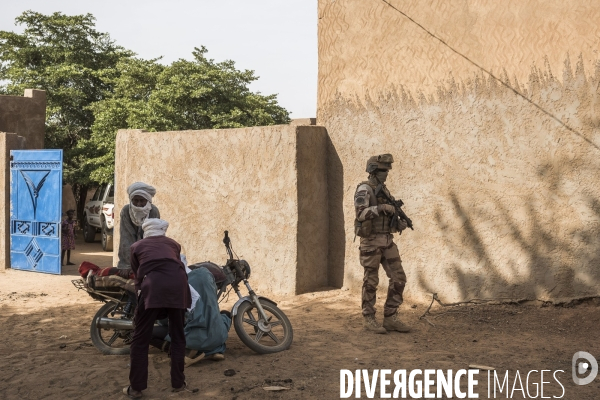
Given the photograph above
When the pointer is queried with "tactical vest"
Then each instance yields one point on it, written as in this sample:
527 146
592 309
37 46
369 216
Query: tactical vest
381 223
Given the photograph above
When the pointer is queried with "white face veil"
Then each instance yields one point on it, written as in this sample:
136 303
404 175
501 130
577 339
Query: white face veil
139 214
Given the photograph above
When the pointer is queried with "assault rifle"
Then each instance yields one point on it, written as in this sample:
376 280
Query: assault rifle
397 205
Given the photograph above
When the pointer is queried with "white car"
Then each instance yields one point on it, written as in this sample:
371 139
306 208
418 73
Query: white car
99 216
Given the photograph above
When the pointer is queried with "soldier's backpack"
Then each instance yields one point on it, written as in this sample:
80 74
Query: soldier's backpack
364 228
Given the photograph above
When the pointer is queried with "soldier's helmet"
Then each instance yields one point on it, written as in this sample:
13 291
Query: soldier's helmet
382 161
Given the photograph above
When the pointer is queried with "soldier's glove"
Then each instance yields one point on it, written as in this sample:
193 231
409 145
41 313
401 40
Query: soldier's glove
402 225
386 208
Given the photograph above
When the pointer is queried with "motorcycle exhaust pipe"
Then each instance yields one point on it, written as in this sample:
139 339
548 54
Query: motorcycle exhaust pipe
112 323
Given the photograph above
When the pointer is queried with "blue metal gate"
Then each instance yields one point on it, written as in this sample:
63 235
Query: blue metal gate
35 210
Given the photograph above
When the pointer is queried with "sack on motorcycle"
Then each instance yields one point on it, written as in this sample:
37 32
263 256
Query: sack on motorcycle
112 283
363 228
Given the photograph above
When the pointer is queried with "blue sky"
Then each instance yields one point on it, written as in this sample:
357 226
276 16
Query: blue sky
275 38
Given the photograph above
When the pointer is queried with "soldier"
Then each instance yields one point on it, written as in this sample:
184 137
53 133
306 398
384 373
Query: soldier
373 219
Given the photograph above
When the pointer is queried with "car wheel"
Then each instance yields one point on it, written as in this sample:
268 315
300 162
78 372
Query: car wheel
107 237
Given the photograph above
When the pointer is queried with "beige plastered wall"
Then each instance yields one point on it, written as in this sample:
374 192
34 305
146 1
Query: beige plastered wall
366 46
501 182
8 142
25 116
265 185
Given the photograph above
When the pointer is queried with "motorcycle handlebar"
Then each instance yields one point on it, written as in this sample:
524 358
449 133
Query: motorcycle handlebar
227 243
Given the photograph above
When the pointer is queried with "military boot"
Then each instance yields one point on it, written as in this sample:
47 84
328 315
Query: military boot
393 323
371 324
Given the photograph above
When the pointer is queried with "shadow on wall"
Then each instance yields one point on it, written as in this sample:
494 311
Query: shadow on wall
337 237
500 183
550 236
546 261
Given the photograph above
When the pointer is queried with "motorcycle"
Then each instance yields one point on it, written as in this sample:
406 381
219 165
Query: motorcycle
257 320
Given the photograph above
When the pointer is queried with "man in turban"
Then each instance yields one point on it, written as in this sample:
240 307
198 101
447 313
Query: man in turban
162 288
133 216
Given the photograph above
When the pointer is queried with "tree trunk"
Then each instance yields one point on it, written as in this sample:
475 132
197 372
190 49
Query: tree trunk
80 193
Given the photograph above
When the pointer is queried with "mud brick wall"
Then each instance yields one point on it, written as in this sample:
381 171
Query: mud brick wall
25 116
368 47
499 175
8 142
265 185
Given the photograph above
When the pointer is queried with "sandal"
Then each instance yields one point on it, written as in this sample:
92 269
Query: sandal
193 357
132 394
216 357
184 387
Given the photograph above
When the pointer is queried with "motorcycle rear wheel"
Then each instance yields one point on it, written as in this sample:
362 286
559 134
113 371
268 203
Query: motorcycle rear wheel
263 338
109 341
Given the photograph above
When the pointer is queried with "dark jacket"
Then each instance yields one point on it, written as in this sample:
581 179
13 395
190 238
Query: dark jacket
159 273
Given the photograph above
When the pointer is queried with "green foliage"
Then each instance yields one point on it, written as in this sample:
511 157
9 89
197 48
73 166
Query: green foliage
70 60
95 87
197 94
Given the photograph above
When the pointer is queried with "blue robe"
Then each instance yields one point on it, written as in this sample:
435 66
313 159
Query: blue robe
206 329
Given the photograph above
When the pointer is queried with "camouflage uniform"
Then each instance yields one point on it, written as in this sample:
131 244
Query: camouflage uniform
379 247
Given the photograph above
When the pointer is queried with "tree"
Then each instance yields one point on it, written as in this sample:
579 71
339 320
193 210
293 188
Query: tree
197 94
94 87
70 60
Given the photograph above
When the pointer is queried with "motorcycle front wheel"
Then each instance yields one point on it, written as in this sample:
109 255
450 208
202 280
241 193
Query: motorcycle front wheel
262 336
110 341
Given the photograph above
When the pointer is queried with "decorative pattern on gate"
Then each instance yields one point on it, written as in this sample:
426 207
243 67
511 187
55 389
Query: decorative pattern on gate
47 229
21 227
33 253
35 164
35 210
34 184
29 228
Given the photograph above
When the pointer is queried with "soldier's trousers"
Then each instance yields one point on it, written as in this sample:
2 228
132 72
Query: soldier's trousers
381 250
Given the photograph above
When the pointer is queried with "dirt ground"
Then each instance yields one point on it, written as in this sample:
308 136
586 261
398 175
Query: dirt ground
46 352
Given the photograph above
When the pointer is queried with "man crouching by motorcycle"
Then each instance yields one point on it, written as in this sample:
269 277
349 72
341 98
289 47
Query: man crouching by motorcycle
206 328
161 285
